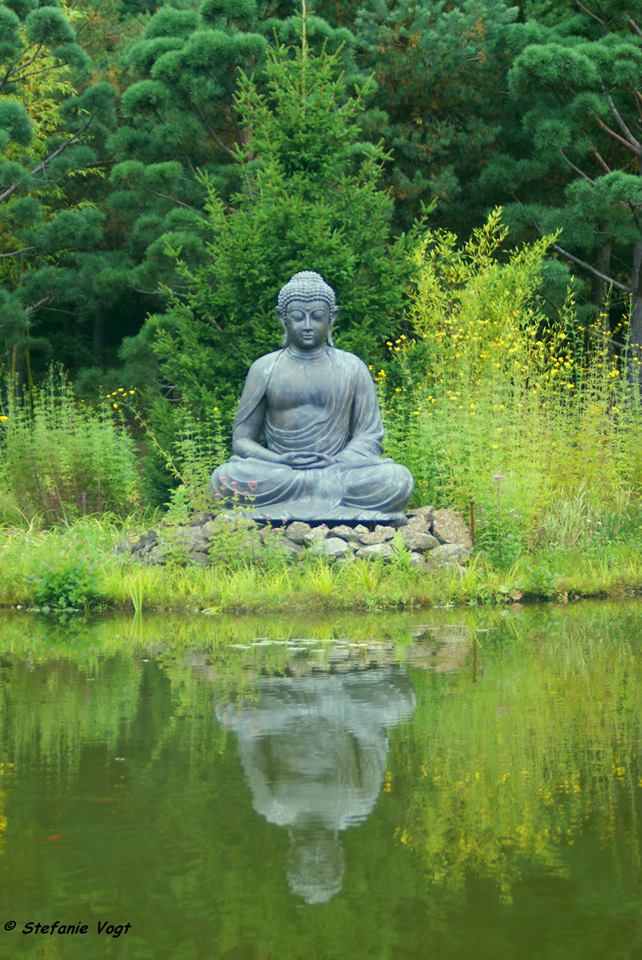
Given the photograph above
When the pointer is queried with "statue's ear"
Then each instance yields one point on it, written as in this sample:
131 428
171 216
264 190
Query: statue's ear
281 315
334 314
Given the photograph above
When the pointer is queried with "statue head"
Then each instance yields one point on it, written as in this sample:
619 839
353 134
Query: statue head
307 308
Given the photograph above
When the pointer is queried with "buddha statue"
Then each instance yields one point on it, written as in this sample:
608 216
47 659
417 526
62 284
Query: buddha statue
307 436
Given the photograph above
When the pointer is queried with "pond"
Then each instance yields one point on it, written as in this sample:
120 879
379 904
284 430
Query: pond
445 784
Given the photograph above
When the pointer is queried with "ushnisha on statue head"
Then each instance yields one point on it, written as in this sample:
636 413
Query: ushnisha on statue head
307 309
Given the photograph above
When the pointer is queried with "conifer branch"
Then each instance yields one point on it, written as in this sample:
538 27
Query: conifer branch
30 310
18 65
589 13
616 136
621 123
16 253
633 25
180 203
45 163
35 73
578 170
600 159
591 269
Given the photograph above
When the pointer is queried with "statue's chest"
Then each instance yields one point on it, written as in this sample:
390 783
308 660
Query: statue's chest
300 384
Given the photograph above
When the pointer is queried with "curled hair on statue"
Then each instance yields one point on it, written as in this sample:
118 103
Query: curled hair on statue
306 285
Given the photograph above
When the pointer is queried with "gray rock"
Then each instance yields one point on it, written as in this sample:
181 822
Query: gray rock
287 547
417 539
192 536
417 523
373 550
331 547
317 533
199 559
424 513
417 560
145 541
200 519
347 533
447 555
298 531
380 534
235 517
449 527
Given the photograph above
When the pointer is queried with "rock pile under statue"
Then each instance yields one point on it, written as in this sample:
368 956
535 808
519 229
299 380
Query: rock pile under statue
307 437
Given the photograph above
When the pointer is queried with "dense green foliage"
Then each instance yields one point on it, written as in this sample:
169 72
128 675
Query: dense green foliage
166 166
53 120
533 106
309 195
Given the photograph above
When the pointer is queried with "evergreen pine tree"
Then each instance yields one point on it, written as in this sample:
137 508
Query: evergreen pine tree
48 131
575 161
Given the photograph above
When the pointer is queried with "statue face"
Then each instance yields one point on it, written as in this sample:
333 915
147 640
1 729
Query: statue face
307 323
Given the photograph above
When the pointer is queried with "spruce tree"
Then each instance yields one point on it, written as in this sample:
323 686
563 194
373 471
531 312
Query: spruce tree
310 200
179 122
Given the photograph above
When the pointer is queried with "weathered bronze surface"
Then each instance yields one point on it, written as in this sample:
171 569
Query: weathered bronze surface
307 435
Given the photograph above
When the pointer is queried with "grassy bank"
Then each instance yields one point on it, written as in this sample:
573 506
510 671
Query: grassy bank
78 567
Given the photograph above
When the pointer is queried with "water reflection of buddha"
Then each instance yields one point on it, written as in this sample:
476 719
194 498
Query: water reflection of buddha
307 434
313 751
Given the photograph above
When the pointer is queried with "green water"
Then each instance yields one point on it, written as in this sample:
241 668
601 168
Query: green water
453 784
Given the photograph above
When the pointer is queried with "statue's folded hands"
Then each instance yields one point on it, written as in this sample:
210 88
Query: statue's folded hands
307 461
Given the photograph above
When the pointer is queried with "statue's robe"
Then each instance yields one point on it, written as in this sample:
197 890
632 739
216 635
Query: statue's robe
361 485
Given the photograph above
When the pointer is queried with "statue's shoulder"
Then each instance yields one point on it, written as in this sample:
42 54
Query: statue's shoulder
351 361
263 365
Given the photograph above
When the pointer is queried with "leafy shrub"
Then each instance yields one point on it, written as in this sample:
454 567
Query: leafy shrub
65 588
491 402
61 458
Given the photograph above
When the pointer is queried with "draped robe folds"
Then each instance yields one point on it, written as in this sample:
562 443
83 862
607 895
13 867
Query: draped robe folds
361 485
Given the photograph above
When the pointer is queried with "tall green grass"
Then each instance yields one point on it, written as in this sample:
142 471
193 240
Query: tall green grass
61 458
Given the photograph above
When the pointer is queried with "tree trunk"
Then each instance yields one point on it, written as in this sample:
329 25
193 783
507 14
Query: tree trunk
635 337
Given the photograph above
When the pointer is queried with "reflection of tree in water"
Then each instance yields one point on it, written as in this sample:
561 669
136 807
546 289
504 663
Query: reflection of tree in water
313 751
